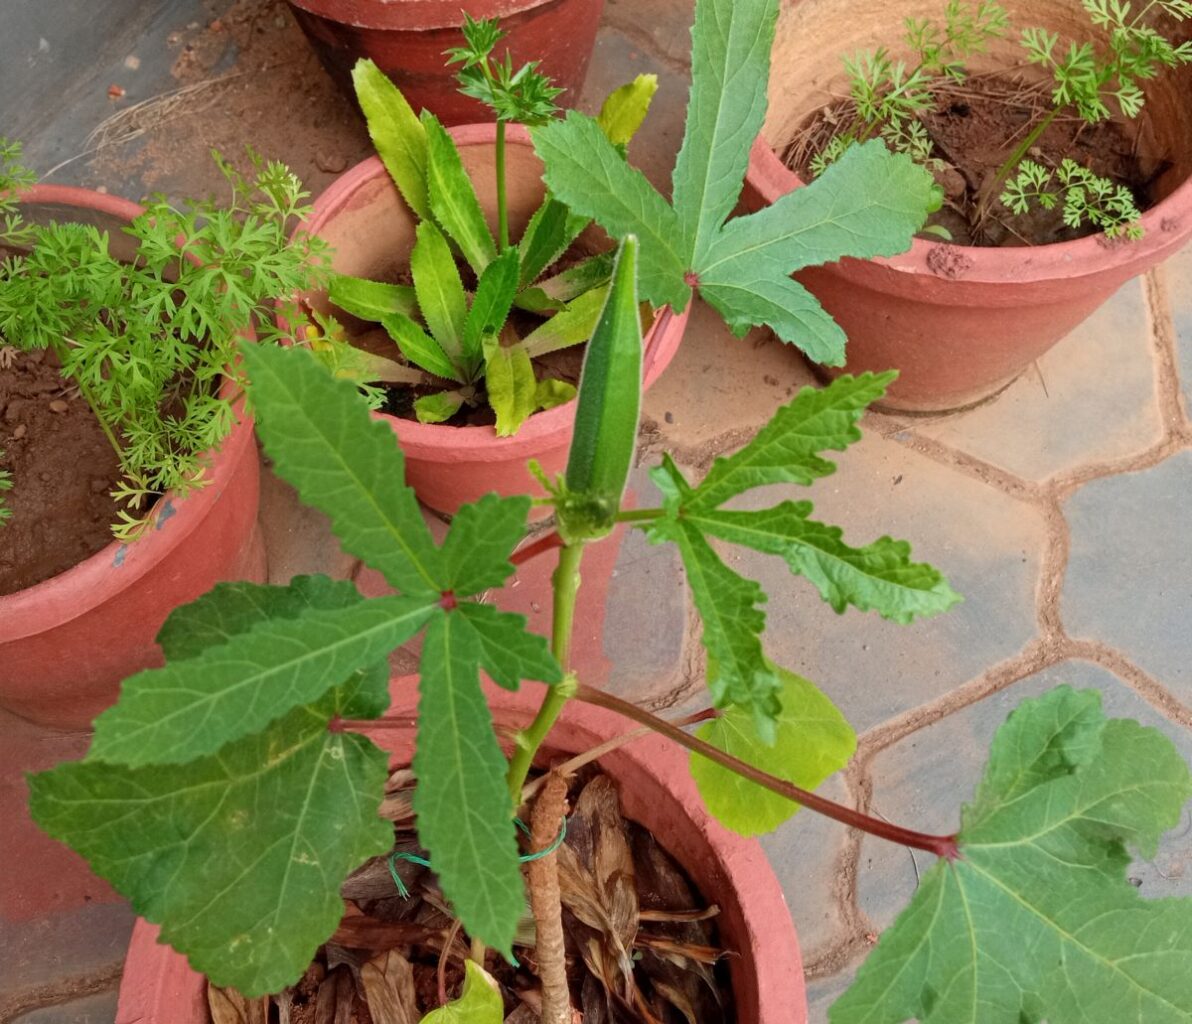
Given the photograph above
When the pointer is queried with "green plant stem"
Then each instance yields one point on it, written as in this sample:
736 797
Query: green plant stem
941 846
502 211
566 587
639 515
996 183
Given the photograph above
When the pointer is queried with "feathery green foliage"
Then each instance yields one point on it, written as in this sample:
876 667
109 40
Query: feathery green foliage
149 344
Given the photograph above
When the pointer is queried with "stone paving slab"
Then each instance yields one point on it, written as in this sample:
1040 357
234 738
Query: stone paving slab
96 1009
1067 410
1129 580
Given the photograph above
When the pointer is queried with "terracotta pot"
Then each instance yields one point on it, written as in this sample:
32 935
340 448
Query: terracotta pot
66 643
656 791
371 231
961 322
407 39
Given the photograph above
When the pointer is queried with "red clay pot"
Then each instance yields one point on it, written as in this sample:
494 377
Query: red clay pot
961 322
407 39
656 791
371 231
66 643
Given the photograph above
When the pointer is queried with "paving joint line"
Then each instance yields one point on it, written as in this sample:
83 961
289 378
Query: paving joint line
56 993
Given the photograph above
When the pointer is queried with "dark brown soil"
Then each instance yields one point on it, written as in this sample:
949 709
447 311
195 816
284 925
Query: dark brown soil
612 870
63 470
975 127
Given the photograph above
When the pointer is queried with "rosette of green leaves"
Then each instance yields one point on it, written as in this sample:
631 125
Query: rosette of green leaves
460 337
149 343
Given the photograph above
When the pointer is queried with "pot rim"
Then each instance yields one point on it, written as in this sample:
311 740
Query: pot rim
1081 257
76 591
412 15
160 976
426 440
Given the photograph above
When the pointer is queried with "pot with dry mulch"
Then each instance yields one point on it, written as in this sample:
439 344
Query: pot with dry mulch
407 40
962 319
684 863
78 610
371 232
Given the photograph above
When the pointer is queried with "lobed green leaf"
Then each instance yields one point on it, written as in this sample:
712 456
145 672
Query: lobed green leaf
462 806
1036 919
786 449
730 68
878 577
191 708
585 171
239 856
325 443
509 652
483 535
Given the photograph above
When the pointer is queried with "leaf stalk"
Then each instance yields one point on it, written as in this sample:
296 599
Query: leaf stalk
942 846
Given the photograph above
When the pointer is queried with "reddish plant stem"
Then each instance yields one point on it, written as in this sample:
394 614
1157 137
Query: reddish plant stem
543 544
941 846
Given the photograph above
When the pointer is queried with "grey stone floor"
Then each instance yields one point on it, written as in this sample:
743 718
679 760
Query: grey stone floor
1059 511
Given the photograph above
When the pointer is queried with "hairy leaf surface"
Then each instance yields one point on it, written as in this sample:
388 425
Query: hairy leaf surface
191 708
240 855
483 535
324 442
462 805
1036 920
587 173
812 740
878 577
786 449
509 652
738 673
730 66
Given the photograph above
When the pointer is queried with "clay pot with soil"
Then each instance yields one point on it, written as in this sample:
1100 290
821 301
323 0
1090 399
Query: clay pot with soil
961 319
80 608
758 978
407 40
371 231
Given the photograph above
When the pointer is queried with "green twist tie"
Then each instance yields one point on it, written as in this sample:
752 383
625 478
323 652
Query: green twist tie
413 858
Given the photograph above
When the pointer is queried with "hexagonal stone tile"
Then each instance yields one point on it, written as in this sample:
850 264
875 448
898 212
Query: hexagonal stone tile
804 853
1178 273
988 544
1089 399
923 780
1129 579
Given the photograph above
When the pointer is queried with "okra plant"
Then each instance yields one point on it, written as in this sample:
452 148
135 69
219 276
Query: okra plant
229 794
443 331
1089 81
148 342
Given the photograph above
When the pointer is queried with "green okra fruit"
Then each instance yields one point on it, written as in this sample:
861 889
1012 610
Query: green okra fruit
609 406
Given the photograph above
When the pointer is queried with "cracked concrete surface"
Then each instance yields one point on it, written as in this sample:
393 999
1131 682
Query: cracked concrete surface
1059 510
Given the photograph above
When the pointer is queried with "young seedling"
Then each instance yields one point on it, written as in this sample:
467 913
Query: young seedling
148 343
443 331
254 795
1088 81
